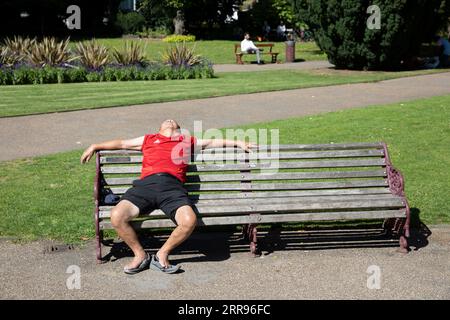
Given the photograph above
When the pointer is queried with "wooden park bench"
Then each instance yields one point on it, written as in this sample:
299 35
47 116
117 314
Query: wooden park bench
322 182
239 54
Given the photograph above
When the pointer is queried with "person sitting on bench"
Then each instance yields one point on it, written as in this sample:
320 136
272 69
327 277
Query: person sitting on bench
165 161
248 46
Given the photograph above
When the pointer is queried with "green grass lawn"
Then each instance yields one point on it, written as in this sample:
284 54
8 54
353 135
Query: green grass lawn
34 99
52 196
219 51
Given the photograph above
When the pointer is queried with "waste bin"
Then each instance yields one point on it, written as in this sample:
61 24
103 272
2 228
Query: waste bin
290 51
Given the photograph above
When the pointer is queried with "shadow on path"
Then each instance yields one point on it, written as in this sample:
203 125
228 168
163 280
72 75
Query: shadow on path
217 244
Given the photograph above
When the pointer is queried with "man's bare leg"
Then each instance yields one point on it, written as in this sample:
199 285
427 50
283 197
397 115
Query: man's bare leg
186 221
121 214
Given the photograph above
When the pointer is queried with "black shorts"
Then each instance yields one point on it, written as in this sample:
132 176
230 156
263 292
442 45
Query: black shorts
158 191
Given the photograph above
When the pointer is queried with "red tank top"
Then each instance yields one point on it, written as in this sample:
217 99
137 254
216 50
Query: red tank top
167 154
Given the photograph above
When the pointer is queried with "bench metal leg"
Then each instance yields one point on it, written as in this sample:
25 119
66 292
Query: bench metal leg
245 232
398 227
252 235
404 233
397 187
98 244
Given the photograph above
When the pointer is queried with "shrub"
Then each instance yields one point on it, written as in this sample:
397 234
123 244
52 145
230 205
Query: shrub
130 22
159 32
173 38
26 74
9 58
18 45
340 29
92 54
49 52
132 54
180 54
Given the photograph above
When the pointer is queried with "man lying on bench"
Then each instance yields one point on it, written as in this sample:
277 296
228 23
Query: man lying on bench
165 160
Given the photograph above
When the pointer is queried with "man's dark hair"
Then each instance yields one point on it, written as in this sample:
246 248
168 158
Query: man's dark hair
246 34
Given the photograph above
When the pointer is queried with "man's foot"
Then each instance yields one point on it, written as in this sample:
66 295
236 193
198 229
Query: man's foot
157 266
138 264
163 258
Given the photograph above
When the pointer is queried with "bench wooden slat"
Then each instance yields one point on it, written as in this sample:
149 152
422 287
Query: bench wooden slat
274 186
258 166
260 156
285 193
105 210
288 194
269 218
263 207
281 147
305 199
263 177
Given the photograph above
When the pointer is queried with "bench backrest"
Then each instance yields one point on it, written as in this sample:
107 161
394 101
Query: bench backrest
237 46
303 170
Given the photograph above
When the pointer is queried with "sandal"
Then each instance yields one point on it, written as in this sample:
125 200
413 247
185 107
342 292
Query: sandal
155 265
143 266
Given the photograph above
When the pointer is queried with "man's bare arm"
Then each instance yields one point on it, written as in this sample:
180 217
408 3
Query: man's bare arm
130 144
220 143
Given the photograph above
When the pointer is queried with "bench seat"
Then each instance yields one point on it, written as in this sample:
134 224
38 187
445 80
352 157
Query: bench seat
265 46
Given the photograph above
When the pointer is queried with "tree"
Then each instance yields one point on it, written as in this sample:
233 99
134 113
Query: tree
204 18
342 31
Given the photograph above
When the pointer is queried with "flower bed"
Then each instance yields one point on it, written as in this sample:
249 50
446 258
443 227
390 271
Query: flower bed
29 61
26 74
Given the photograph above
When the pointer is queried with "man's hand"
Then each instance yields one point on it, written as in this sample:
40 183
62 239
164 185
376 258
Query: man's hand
247 146
87 154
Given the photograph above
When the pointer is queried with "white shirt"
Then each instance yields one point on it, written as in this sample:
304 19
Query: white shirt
247 44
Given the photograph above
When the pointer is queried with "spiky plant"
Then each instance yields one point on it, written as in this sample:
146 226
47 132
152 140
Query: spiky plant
92 54
131 54
18 45
50 52
9 58
180 54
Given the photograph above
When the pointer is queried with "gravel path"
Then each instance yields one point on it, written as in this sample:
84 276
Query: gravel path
224 270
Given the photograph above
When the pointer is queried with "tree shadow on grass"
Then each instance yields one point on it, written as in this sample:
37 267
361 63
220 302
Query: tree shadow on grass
217 243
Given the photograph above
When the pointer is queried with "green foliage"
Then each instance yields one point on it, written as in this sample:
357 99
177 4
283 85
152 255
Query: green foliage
179 38
130 22
92 54
132 53
340 29
285 10
50 52
157 32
